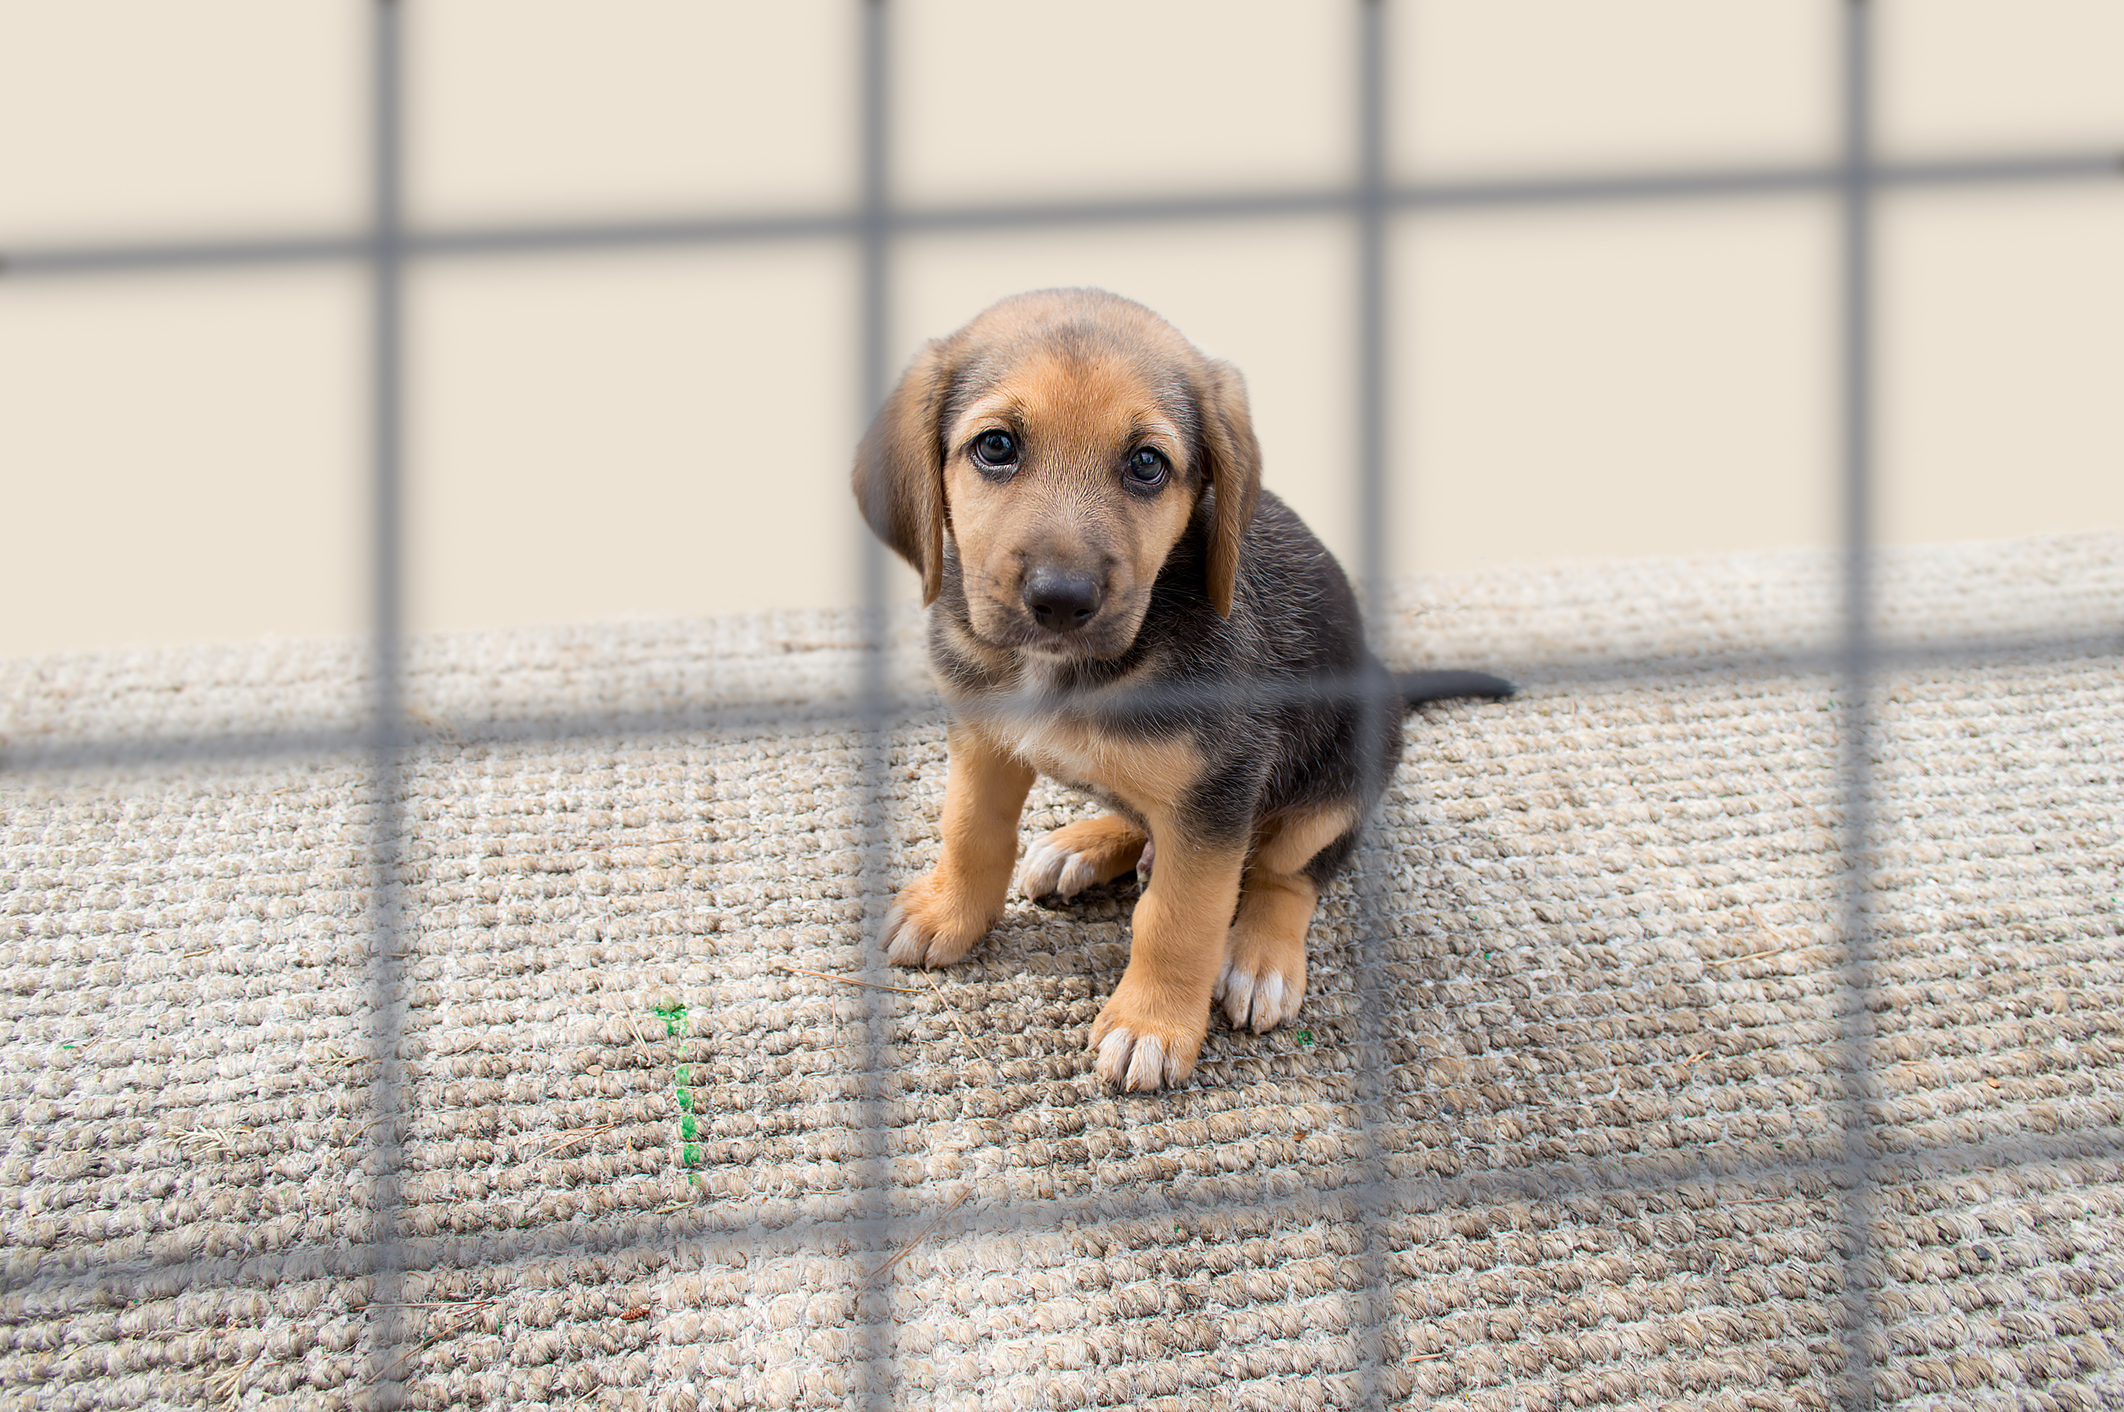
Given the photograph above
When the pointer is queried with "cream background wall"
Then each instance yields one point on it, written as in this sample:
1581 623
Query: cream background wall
182 456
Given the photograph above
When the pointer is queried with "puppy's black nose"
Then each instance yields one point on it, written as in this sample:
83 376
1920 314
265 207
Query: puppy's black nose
1062 601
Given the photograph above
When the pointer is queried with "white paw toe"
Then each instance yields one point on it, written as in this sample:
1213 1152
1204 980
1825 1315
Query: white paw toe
1042 869
1052 871
1113 1055
1270 1009
1236 989
904 943
1257 1003
1132 1062
1146 1066
1076 876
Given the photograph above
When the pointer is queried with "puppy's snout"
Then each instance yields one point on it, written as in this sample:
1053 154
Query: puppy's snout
1061 600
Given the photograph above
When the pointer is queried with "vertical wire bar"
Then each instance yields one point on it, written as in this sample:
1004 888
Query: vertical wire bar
387 708
871 317
1375 716
1858 667
874 1302
1371 307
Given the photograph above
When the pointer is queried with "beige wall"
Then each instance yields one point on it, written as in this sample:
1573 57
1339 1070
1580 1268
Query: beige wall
182 456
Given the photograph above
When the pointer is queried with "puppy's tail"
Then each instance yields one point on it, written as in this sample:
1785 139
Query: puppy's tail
1419 687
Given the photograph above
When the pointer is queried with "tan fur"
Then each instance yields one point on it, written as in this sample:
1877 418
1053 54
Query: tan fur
896 479
1066 504
911 479
937 919
1146 775
1083 383
1232 443
1108 845
1152 1027
1263 981
1288 843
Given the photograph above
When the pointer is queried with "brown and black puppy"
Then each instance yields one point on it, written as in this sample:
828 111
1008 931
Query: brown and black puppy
1116 603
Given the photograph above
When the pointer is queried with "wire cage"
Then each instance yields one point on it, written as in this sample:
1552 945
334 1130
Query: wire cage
873 1230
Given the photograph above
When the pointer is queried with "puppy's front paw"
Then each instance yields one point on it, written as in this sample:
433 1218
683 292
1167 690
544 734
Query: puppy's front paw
1263 981
1080 855
932 924
1141 1047
1259 995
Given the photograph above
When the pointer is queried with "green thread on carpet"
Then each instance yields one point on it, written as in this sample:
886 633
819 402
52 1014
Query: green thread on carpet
689 1152
682 1089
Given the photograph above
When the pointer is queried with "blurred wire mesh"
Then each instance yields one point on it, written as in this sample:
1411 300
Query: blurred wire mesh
1373 206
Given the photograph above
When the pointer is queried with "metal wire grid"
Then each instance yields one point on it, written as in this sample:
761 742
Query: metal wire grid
1371 203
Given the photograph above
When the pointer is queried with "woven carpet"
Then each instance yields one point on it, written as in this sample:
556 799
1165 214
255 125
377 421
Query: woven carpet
1569 1119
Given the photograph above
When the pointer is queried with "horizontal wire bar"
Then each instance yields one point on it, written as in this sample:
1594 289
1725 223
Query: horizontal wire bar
1558 1181
1485 193
178 255
856 707
1479 194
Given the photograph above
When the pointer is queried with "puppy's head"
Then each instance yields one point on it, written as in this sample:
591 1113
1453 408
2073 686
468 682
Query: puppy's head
1061 442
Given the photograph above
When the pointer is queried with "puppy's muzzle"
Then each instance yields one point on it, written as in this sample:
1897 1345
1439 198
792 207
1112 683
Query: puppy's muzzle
1060 600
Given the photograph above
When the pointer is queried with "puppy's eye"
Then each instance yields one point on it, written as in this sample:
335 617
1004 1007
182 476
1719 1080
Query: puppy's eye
995 448
1147 467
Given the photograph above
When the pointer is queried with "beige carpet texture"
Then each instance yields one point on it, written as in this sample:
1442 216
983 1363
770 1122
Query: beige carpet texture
1569 1119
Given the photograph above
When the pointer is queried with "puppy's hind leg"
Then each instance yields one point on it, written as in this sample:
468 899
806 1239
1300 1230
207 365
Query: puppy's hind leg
1263 980
1081 855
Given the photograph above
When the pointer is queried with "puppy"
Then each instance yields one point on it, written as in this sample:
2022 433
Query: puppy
1116 603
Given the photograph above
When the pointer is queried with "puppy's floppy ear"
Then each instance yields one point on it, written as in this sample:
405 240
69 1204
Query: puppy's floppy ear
1235 470
899 470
